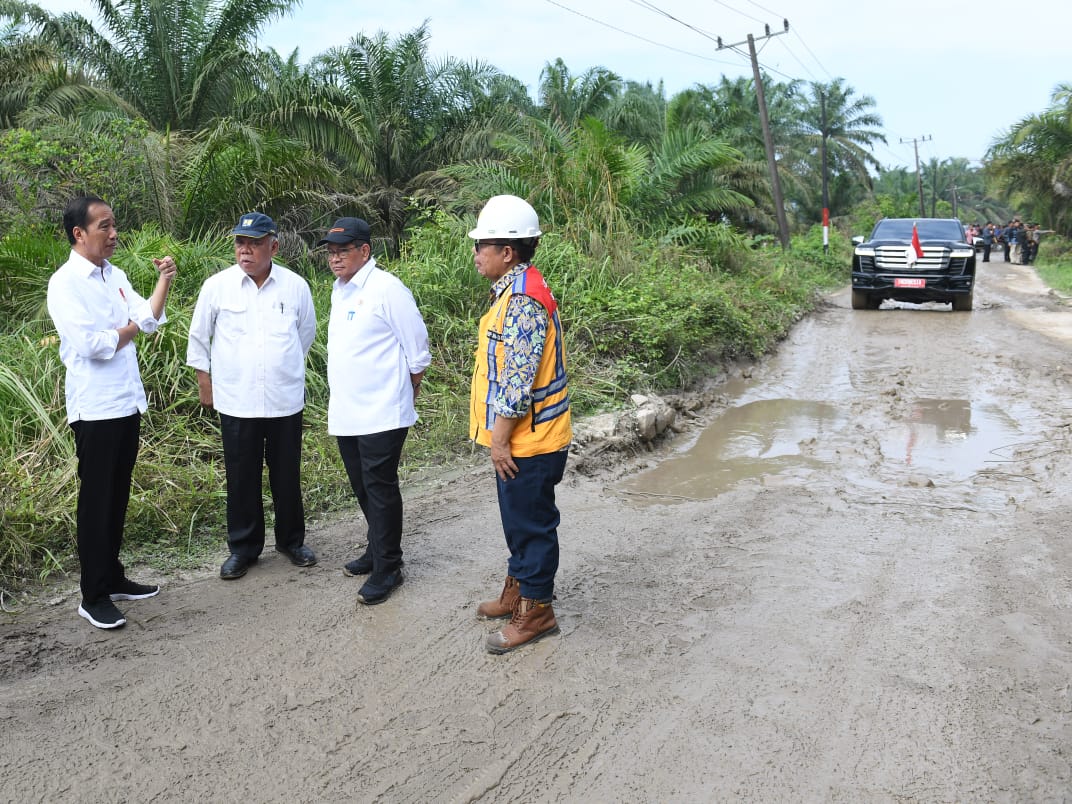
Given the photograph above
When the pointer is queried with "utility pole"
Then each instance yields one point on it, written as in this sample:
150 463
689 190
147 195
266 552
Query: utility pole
919 176
772 164
826 187
954 188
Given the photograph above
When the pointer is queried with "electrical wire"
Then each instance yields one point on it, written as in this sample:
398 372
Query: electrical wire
794 55
637 36
805 44
738 11
669 16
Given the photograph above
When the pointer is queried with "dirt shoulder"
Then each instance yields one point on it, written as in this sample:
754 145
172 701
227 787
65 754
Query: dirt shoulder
876 612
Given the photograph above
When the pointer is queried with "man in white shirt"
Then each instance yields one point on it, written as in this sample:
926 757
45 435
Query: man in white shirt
377 355
97 314
251 330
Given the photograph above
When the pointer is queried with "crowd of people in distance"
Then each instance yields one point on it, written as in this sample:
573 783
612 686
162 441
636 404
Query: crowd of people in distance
1019 241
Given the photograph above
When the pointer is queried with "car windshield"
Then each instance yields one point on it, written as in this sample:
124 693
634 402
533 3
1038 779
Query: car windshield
901 229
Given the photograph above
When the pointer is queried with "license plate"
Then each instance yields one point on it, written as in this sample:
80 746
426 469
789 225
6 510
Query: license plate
909 282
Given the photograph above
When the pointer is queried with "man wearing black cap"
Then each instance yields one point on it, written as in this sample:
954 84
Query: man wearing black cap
251 330
377 355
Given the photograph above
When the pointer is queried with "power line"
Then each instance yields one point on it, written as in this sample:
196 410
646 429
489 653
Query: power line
655 9
761 8
795 56
669 16
810 53
637 36
738 11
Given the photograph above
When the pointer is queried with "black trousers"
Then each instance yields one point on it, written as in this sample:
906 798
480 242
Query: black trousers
106 450
371 463
249 444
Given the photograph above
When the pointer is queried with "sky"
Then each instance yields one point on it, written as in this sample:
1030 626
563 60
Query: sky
953 76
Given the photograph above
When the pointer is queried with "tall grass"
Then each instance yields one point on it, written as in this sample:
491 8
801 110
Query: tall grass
645 315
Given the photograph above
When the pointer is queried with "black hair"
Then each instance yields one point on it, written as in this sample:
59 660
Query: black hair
525 249
77 214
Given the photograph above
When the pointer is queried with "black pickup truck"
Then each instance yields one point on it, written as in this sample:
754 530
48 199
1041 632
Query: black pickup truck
887 265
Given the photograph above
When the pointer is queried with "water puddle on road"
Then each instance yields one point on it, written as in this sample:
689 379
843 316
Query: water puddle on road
783 442
953 438
753 440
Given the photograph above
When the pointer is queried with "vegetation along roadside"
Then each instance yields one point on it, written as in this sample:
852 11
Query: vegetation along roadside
655 316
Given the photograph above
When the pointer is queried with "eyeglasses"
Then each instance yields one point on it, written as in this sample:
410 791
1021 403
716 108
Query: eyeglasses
334 254
479 244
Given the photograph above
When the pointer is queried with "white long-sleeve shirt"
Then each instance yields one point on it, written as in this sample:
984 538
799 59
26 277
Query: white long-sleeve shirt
88 304
253 341
376 340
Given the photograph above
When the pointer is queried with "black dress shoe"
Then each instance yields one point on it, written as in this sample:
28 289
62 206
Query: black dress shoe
379 587
359 566
235 566
300 556
362 566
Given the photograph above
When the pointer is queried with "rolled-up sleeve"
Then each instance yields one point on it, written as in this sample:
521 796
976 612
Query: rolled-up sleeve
77 325
141 312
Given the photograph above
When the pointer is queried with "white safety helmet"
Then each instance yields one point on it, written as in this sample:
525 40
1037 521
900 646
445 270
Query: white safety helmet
506 217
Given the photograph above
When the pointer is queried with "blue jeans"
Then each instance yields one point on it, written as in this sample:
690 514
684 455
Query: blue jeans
530 522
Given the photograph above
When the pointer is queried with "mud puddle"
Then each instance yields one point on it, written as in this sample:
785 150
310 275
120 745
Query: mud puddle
954 438
777 442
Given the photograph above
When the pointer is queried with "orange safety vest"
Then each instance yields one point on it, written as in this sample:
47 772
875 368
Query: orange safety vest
546 427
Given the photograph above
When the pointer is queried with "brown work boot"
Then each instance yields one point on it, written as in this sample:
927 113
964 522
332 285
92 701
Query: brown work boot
504 606
532 620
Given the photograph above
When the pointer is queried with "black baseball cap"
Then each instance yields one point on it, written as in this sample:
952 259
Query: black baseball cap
347 230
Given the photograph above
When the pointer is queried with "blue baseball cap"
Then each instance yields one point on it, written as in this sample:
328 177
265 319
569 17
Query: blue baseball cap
254 224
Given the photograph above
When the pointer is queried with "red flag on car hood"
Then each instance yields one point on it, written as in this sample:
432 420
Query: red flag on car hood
915 241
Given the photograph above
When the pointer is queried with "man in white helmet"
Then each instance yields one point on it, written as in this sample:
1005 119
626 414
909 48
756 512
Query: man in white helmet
519 409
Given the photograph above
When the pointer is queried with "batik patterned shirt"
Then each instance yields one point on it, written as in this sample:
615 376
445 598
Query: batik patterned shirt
524 338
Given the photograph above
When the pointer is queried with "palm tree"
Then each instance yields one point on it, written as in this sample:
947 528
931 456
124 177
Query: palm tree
221 110
896 193
688 177
832 143
729 111
638 113
179 64
1032 163
410 116
569 99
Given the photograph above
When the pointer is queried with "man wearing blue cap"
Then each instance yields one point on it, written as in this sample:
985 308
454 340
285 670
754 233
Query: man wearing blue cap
250 333
377 354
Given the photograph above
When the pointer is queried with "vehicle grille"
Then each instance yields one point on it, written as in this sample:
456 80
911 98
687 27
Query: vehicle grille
892 258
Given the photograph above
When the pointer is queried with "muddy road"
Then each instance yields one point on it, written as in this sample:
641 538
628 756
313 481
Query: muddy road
854 584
